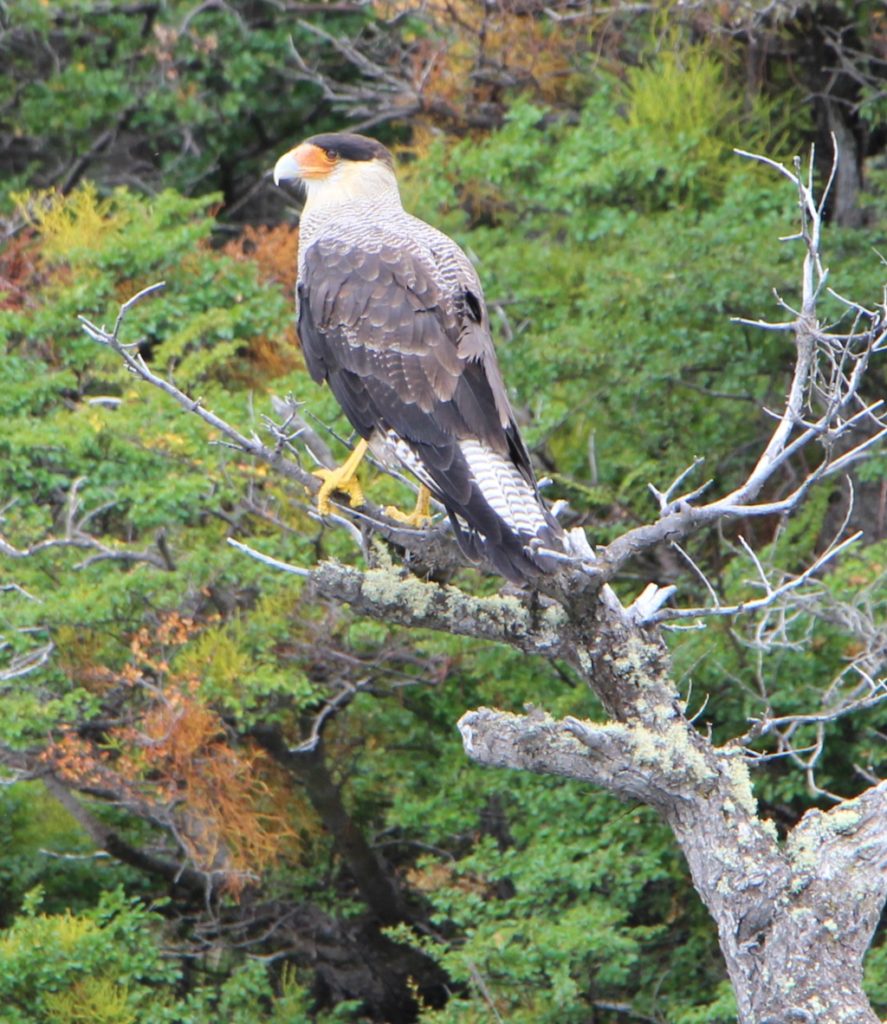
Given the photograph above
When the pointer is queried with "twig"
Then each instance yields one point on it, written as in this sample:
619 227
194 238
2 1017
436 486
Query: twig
436 543
275 563
26 663
773 594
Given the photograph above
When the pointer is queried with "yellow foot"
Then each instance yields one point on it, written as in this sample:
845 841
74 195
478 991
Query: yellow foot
341 479
421 514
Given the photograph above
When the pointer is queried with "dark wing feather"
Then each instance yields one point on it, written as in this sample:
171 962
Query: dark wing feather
382 317
402 355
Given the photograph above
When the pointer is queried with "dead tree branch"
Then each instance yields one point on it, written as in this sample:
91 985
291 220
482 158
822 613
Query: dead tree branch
825 414
433 546
378 95
76 535
774 905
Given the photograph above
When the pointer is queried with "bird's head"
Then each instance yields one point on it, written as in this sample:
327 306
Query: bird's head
337 167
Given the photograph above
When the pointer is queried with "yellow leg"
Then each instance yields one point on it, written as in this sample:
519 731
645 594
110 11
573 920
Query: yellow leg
420 515
341 479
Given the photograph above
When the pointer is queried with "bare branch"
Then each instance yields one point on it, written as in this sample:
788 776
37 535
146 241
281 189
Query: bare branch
275 563
772 594
6 587
433 546
847 839
604 755
666 502
76 536
330 708
179 874
26 663
394 596
879 695
849 355
378 94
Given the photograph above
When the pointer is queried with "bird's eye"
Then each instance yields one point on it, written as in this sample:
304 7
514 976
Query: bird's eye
330 156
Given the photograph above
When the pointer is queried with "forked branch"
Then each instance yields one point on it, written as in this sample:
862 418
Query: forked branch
825 418
430 547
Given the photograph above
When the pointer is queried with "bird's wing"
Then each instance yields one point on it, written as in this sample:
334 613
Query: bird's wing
407 357
399 353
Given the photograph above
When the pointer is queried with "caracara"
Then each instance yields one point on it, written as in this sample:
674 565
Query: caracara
391 315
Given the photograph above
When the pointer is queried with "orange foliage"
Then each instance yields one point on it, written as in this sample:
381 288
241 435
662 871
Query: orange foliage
78 761
273 250
222 821
440 875
176 765
172 631
275 358
478 51
18 269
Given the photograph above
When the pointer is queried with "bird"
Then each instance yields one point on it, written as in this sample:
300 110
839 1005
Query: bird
391 315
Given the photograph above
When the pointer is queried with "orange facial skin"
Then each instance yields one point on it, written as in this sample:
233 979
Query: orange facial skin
313 161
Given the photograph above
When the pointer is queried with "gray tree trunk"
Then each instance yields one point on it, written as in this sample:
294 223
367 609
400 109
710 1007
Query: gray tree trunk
794 918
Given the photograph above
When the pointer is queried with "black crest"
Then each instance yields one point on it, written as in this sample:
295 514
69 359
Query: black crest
348 146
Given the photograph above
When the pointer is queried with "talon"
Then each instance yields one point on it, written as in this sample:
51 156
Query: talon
421 514
332 482
343 480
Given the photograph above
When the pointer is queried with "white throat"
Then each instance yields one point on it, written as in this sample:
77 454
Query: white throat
365 181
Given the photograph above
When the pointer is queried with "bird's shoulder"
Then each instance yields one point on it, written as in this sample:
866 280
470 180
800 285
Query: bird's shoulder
403 245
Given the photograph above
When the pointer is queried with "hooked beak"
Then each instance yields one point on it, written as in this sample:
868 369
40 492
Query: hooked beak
304 162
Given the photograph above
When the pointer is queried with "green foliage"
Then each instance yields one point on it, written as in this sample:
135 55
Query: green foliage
41 844
99 965
91 1001
622 286
616 240
108 965
557 942
876 977
208 94
556 896
136 463
683 115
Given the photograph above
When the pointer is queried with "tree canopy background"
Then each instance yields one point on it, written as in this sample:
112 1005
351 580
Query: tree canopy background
585 159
